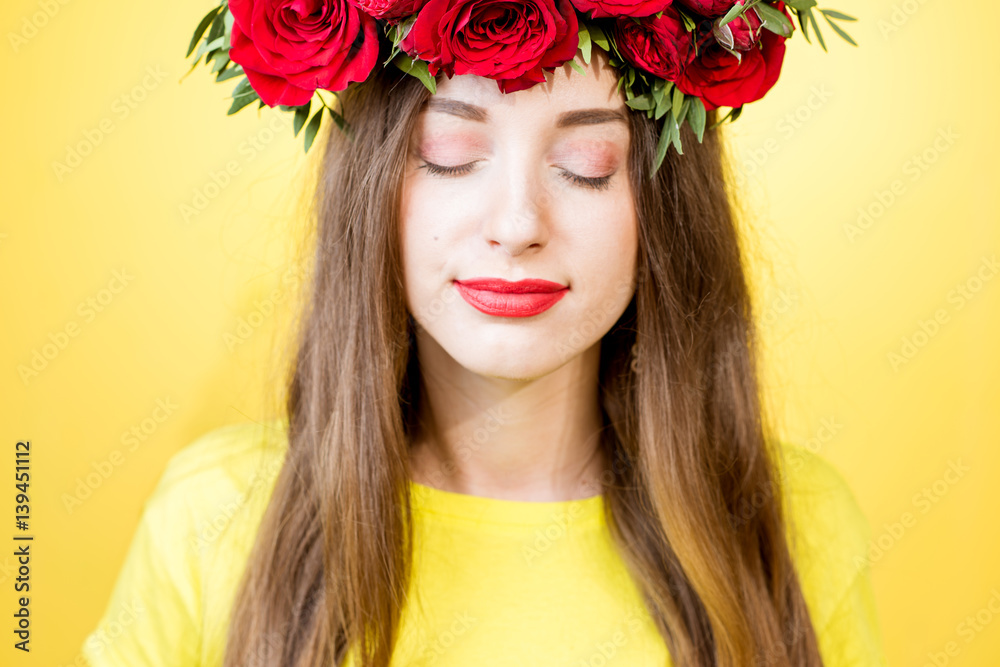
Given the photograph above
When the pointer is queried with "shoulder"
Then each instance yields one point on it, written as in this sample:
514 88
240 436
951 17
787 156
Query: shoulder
183 563
813 484
210 501
220 464
829 538
225 455
819 501
218 482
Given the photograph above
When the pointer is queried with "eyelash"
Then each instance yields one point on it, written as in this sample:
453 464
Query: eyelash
596 183
438 170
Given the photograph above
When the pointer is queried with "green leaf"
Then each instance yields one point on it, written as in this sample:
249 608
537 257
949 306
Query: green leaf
675 107
218 28
733 12
208 47
840 31
243 95
837 15
689 23
815 25
200 30
677 143
641 102
417 68
801 5
774 20
312 128
661 146
342 123
731 116
685 109
301 114
662 105
669 134
227 74
578 67
658 89
804 24
598 37
242 88
221 58
585 43
696 117
240 102
613 48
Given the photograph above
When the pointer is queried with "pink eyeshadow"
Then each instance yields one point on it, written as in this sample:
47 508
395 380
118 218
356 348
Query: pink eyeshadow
452 148
597 157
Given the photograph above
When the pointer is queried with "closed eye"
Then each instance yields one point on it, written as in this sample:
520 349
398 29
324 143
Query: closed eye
438 170
595 182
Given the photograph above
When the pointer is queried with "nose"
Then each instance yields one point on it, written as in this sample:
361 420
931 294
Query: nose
522 212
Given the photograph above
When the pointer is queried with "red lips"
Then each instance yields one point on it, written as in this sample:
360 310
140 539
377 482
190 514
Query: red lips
503 298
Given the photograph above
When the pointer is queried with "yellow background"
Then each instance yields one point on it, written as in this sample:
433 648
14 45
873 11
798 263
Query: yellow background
838 133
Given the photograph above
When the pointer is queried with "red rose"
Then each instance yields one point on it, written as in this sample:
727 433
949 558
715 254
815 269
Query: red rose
660 46
709 8
511 42
722 79
289 48
605 8
391 10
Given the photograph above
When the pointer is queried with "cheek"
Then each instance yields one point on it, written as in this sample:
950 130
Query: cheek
605 228
437 214
604 247
429 245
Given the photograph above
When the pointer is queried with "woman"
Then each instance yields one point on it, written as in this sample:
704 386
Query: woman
571 471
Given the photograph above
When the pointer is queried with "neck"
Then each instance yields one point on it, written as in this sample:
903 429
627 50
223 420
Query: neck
534 440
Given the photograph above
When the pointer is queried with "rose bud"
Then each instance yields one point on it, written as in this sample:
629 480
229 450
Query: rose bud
740 34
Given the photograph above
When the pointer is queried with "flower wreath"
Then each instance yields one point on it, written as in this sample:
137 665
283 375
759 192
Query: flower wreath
676 59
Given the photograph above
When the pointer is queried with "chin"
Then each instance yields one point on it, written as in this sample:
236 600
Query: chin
506 362
515 370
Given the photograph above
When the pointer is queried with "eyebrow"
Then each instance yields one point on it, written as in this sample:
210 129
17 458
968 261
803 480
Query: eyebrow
566 119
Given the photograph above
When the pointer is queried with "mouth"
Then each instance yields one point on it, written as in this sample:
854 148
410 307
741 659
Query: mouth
503 298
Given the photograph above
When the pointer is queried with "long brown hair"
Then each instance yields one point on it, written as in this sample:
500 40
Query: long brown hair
685 430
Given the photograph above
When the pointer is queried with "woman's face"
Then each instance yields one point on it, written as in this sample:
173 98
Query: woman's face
530 185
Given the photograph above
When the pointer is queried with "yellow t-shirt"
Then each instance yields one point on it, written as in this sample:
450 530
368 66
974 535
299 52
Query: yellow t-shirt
496 582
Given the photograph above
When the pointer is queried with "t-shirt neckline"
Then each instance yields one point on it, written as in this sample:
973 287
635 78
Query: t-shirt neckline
427 499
